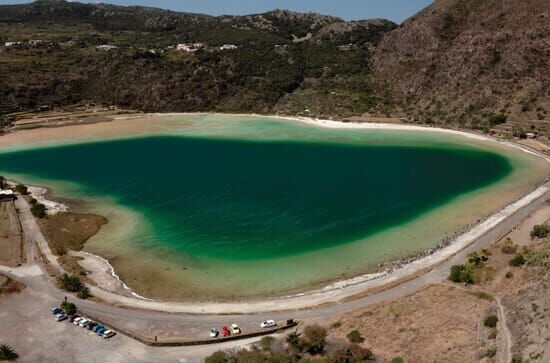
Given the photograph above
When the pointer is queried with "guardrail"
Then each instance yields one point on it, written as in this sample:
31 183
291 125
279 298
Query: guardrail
180 343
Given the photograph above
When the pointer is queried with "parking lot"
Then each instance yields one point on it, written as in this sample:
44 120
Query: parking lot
30 328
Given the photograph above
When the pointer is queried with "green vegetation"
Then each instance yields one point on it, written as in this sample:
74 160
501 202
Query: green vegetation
314 339
7 353
508 247
490 321
461 273
354 336
68 307
491 352
21 189
38 209
336 324
474 271
397 360
517 261
72 283
2 182
540 231
498 119
299 348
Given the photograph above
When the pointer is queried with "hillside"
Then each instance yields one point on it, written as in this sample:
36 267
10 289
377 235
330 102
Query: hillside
127 56
466 60
473 63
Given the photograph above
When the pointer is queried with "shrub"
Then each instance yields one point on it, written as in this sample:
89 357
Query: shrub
352 353
354 336
293 340
68 307
22 189
314 339
498 119
509 274
266 343
493 334
7 353
516 359
83 293
540 231
60 250
217 357
490 321
38 210
336 325
397 360
517 261
461 273
508 247
491 352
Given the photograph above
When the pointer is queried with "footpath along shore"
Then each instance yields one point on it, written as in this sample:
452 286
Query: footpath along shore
434 260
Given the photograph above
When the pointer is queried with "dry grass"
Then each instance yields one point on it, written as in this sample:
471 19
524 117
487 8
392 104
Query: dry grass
444 316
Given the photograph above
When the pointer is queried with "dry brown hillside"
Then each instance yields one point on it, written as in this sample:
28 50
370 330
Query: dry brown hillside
466 61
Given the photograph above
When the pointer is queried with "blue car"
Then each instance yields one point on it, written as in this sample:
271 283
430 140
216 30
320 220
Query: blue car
56 310
97 327
101 330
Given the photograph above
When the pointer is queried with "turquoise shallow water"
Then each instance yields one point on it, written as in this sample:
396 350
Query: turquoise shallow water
240 200
228 207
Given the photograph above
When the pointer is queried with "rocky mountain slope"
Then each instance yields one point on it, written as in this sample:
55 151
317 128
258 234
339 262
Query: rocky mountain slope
471 62
467 60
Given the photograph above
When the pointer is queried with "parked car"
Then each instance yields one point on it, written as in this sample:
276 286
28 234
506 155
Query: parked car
78 320
214 333
101 330
97 327
268 324
226 331
56 310
108 334
235 329
84 323
73 317
91 325
60 317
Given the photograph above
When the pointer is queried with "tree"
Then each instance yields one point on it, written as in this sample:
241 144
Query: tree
217 357
7 353
38 210
491 321
293 340
68 307
354 336
314 339
461 273
351 354
21 189
540 231
83 293
70 283
517 261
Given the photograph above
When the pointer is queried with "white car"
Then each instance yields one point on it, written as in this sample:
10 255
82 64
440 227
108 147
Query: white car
108 333
60 317
82 323
214 333
235 329
78 320
268 324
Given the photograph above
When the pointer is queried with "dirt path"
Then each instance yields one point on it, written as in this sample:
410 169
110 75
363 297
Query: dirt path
506 357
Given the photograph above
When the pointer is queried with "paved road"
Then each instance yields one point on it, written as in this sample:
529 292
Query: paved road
38 282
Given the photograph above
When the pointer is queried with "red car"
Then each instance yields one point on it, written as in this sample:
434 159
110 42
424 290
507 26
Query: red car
226 331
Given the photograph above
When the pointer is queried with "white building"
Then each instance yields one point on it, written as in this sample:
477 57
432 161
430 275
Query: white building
189 48
228 47
105 47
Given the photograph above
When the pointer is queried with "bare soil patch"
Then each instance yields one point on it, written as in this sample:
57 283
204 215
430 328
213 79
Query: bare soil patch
69 231
10 236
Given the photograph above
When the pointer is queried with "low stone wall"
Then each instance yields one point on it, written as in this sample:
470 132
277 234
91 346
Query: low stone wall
181 343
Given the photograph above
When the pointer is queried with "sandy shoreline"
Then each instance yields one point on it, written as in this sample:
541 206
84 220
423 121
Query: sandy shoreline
394 269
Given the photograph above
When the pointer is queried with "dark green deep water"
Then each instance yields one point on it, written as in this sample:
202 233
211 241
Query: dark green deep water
245 200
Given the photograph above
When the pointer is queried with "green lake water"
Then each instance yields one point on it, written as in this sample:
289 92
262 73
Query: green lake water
217 204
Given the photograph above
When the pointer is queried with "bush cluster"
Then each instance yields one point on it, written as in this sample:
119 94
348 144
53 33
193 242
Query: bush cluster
540 231
72 283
